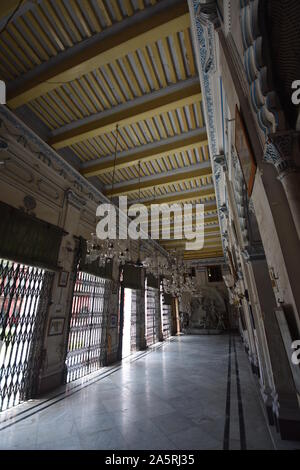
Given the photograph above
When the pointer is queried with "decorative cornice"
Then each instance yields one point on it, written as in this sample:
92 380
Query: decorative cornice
227 16
48 156
203 24
74 199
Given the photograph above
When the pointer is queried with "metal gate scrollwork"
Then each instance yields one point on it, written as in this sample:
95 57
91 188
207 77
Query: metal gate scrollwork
166 320
152 312
24 301
87 344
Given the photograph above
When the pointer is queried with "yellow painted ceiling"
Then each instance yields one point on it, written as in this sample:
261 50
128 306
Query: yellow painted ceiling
84 66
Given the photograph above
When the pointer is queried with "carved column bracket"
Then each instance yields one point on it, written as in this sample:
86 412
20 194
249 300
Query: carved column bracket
279 152
221 160
208 13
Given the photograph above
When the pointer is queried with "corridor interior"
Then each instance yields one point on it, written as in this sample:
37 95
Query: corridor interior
190 392
149 224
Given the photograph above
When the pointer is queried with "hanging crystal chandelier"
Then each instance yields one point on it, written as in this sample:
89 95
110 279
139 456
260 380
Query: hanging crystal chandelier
106 251
178 280
173 271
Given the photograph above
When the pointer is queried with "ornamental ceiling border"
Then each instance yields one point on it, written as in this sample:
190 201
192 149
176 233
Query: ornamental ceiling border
204 31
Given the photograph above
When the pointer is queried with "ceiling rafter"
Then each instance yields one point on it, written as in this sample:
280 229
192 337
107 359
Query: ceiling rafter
147 153
184 196
71 66
208 243
169 177
137 111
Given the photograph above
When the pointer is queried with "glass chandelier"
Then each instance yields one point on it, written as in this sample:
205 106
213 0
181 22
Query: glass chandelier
179 280
173 270
176 278
106 250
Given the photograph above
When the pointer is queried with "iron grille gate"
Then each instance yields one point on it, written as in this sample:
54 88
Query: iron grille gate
24 300
87 336
166 320
152 312
133 321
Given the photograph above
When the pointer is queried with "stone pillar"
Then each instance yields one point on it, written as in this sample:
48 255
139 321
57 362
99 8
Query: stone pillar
253 356
285 405
159 317
113 319
259 305
177 316
279 237
141 343
109 286
55 347
251 346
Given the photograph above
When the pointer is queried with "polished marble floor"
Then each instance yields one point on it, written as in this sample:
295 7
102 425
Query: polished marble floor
192 392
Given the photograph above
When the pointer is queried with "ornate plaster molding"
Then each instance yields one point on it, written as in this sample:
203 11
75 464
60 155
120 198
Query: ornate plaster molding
204 22
207 12
15 128
279 151
221 160
74 199
227 16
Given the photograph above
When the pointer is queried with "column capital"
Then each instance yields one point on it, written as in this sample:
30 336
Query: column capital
207 12
279 151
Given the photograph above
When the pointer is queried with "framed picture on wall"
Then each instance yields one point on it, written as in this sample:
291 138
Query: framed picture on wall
56 326
244 151
63 279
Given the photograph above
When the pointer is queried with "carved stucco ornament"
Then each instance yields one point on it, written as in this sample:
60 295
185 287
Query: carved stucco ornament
29 205
278 151
74 199
208 13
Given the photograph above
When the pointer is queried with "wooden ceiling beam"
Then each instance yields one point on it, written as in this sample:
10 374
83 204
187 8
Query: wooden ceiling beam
101 52
7 8
190 255
149 153
177 98
169 177
184 196
169 244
